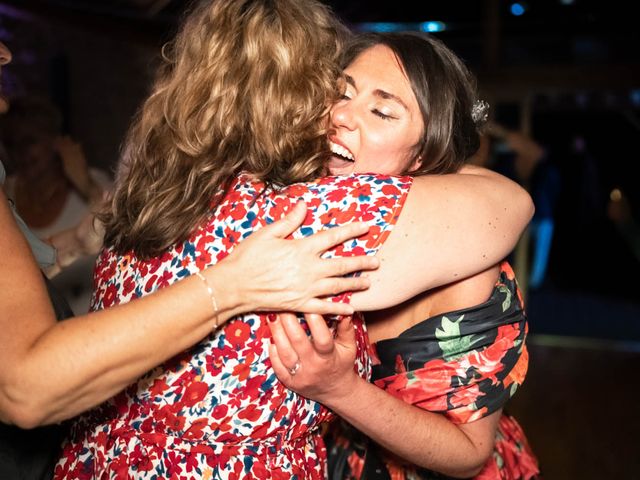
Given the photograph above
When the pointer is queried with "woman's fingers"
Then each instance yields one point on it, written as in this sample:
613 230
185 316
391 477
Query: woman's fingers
326 307
291 275
320 341
332 286
345 334
320 364
282 372
286 353
337 267
296 334
331 237
289 223
320 242
321 334
293 342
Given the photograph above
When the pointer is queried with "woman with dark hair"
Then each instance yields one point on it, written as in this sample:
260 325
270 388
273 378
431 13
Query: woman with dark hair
450 357
231 137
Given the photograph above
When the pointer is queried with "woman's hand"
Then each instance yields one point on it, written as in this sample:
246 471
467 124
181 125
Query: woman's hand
319 366
322 369
276 274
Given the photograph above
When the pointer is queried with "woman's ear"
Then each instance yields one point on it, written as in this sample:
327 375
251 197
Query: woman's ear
416 164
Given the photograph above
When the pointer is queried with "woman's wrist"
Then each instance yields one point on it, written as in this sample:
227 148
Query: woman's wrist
226 291
212 296
344 393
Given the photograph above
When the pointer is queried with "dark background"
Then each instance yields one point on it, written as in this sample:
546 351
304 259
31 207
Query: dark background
562 70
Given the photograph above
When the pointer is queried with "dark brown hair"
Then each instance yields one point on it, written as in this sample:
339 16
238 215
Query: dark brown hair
445 91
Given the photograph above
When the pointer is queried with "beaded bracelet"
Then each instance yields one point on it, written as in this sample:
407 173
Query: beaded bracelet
211 295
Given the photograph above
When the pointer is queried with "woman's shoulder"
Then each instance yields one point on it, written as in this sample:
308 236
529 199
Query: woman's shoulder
355 193
332 200
357 180
375 181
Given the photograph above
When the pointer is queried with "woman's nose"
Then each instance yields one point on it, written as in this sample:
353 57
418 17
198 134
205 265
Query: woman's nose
5 54
342 115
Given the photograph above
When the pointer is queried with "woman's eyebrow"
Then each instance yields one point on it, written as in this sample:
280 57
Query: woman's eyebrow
350 80
378 92
390 96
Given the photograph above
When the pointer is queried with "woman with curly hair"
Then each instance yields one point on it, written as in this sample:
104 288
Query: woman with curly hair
51 371
232 136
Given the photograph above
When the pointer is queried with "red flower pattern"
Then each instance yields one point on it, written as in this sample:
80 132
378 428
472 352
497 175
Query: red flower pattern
466 387
218 410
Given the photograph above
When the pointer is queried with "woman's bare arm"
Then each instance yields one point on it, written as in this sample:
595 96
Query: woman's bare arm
451 227
326 375
50 371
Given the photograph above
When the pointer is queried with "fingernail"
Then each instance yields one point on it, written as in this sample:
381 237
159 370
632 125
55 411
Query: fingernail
272 317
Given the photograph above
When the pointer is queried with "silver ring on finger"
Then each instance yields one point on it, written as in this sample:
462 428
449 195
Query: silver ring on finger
293 370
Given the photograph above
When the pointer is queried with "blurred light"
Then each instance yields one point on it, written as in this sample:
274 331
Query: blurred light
400 27
379 27
567 2
432 27
635 98
517 9
615 195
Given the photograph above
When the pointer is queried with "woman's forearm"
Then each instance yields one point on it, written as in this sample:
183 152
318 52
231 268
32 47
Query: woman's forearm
78 363
423 438
325 373
51 371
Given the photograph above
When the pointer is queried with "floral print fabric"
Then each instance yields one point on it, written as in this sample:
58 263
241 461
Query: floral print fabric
218 411
465 364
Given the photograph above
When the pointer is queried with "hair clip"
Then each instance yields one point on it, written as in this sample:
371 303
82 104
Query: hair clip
480 111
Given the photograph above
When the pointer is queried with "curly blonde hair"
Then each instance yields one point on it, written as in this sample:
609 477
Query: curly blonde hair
245 86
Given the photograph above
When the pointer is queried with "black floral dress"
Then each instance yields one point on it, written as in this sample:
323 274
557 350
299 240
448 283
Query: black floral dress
465 364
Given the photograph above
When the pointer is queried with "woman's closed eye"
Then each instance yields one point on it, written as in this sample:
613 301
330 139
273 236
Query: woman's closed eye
383 115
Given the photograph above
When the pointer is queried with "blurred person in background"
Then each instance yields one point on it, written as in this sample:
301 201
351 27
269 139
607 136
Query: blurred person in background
520 157
54 191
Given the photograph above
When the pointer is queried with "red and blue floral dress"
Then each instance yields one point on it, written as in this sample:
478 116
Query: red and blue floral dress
217 411
464 364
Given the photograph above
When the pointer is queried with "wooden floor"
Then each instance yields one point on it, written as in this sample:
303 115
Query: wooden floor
580 408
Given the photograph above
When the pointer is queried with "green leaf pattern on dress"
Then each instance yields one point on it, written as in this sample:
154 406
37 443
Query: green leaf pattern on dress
508 297
450 340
